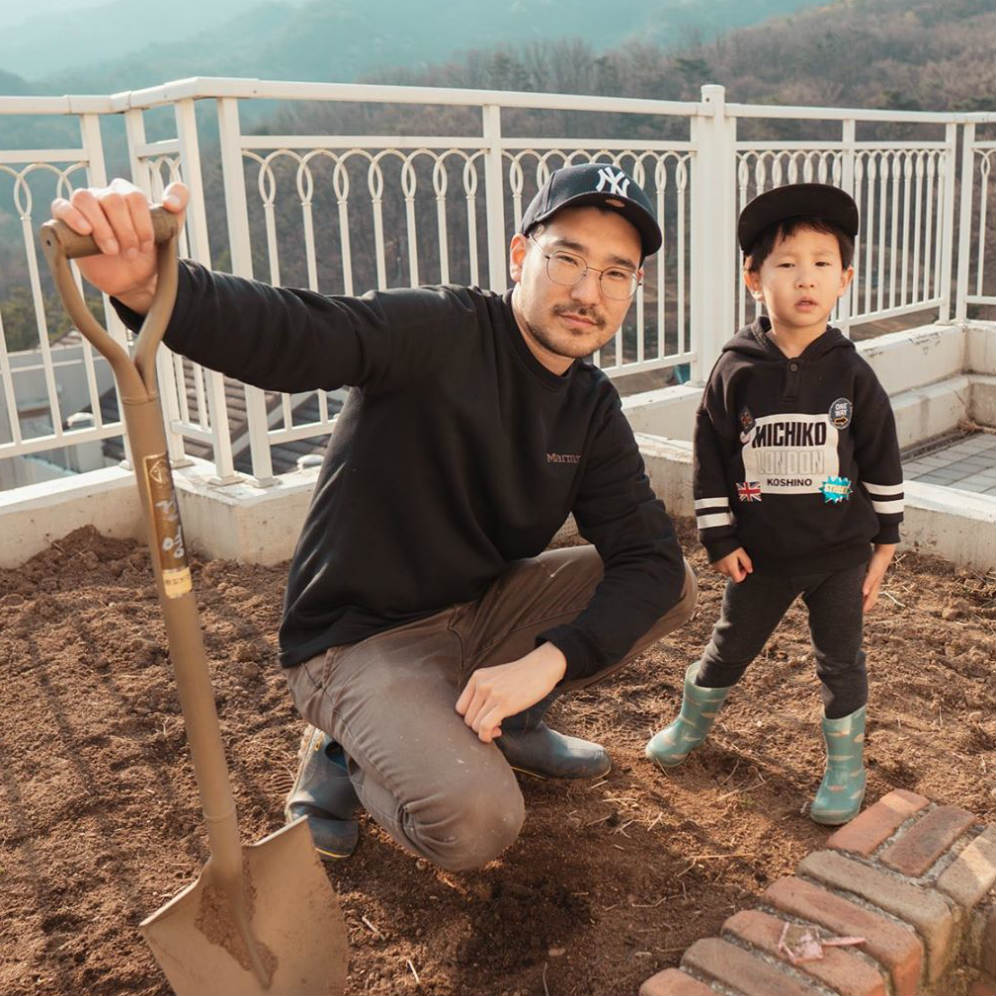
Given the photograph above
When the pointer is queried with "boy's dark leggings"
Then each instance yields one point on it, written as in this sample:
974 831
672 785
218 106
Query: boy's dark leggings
754 607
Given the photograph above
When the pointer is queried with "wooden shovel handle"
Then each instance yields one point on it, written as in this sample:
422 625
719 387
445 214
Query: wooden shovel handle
75 246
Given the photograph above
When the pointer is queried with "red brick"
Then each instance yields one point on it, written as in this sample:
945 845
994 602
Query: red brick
972 874
877 823
924 909
983 986
988 946
740 970
896 947
674 982
841 970
924 842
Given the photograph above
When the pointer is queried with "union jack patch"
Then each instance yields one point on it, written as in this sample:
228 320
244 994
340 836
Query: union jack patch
749 491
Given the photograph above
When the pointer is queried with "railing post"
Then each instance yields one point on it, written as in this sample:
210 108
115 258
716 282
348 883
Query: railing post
97 174
965 221
237 213
141 176
494 198
847 138
947 230
200 250
713 231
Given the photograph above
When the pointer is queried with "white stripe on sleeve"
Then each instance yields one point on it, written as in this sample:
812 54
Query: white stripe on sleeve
888 507
883 489
711 521
721 502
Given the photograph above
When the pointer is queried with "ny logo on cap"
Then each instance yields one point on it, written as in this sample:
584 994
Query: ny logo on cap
618 182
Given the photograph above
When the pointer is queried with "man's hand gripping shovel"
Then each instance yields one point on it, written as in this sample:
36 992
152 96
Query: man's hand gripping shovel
261 918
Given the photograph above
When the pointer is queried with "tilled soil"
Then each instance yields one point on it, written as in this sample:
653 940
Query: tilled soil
609 882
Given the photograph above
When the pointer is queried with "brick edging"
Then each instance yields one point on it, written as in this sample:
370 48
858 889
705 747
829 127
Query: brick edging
914 879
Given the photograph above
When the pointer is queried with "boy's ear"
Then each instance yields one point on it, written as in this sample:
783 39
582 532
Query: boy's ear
752 279
846 277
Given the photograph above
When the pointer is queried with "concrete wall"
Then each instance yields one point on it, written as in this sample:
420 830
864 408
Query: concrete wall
262 525
34 516
257 525
959 526
980 348
914 367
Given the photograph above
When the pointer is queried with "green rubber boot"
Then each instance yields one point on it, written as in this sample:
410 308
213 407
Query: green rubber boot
843 787
699 708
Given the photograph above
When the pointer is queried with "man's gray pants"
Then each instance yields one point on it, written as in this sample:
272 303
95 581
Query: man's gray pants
418 769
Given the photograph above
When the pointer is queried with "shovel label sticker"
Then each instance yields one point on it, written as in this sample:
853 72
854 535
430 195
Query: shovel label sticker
170 551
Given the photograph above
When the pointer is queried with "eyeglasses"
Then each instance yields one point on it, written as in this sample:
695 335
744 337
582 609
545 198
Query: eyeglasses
616 282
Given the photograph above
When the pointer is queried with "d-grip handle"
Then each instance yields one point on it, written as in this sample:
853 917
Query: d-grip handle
136 377
76 246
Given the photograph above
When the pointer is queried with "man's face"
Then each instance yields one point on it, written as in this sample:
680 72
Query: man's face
800 281
559 322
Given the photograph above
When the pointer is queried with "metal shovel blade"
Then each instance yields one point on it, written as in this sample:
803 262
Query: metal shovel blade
298 927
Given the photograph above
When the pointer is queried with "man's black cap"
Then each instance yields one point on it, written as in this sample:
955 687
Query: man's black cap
603 184
796 200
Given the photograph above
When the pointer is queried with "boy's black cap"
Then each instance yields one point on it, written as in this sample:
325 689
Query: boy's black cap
596 183
796 200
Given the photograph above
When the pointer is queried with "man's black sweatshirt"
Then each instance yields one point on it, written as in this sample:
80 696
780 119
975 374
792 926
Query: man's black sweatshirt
455 454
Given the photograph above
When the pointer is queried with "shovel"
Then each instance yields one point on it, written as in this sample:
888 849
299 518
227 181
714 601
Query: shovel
258 919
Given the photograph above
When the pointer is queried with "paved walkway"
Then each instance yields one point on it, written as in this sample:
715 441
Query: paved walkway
967 463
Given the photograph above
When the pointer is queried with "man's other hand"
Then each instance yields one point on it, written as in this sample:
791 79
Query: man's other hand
493 693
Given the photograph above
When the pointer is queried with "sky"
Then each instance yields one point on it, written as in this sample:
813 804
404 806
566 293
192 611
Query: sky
14 12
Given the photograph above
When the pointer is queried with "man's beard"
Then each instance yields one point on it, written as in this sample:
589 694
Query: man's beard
566 344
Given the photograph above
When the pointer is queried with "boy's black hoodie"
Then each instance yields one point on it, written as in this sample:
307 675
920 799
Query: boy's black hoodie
796 460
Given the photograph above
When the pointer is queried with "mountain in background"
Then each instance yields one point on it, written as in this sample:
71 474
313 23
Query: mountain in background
53 42
931 55
107 49
892 54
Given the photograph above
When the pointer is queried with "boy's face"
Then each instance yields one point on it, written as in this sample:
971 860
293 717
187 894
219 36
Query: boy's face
800 281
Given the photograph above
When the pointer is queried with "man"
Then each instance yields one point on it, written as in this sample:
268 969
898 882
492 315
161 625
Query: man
425 630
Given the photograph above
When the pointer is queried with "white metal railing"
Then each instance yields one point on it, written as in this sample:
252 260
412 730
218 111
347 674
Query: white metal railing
340 213
64 168
977 166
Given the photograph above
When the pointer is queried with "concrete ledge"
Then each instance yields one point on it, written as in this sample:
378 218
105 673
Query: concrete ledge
668 411
669 467
35 515
932 375
261 525
236 522
980 347
982 401
925 412
906 360
241 521
956 525
899 916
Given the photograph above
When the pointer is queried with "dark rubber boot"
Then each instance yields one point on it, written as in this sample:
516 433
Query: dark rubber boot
324 794
530 746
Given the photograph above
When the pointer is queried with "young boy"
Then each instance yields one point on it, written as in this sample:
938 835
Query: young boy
798 483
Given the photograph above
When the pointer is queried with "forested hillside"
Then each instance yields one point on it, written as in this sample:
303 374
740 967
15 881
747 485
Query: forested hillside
907 54
117 47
